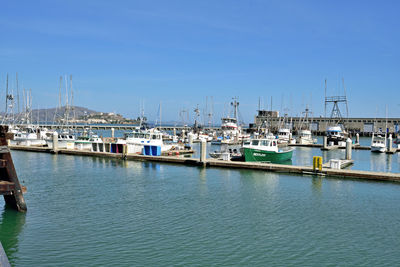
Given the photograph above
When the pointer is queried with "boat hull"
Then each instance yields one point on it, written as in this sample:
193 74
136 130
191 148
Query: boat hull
256 155
378 149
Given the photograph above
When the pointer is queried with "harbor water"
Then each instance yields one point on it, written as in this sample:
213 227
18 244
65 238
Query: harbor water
85 211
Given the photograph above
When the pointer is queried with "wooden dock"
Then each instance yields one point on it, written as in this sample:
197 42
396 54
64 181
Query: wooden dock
290 169
10 187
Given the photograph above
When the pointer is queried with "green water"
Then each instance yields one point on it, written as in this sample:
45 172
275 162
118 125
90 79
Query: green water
85 211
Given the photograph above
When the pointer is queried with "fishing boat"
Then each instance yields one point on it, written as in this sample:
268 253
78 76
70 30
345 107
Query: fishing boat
336 136
304 131
378 143
136 140
305 138
265 150
66 139
285 136
85 141
27 136
231 131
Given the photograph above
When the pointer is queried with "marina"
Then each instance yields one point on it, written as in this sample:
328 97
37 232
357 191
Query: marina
199 133
197 161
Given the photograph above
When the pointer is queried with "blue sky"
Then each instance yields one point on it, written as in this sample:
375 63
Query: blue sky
178 52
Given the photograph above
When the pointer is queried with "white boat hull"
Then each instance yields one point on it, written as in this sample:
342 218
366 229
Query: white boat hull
28 142
378 149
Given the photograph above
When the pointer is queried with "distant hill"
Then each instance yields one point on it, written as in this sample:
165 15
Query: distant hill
50 112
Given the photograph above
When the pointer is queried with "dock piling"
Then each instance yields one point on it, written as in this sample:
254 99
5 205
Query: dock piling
190 136
203 151
55 142
325 142
389 143
357 138
10 187
348 149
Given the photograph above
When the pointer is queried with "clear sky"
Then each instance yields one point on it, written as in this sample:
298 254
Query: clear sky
178 52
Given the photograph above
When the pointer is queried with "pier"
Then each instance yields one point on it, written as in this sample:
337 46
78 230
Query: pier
10 187
202 161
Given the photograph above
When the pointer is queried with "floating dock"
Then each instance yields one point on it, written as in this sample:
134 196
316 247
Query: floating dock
290 169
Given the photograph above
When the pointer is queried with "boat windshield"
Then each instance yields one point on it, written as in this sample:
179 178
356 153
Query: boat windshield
265 143
254 142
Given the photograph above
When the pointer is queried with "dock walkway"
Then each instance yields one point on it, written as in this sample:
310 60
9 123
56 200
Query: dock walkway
290 169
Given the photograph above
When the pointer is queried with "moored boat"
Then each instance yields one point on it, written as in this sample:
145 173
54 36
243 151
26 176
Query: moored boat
265 150
336 136
305 138
378 143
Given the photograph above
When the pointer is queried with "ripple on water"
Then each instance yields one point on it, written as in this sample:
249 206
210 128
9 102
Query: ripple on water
87 212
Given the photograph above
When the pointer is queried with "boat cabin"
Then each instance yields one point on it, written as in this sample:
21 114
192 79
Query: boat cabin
262 144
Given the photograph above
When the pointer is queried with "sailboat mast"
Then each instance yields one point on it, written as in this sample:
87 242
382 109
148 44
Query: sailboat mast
160 115
6 95
66 102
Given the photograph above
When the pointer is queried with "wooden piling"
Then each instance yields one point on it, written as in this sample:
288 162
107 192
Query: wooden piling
10 187
203 152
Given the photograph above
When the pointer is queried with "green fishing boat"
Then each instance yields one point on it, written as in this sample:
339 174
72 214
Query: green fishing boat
265 150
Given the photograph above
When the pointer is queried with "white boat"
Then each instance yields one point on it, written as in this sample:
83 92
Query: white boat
336 136
226 154
378 143
304 131
27 136
231 130
138 139
396 140
284 136
86 142
66 140
199 136
305 138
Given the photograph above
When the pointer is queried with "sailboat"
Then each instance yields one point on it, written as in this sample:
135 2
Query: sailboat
66 135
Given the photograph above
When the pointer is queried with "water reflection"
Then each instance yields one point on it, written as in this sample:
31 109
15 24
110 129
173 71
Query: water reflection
203 186
12 222
260 179
389 163
379 162
303 156
317 184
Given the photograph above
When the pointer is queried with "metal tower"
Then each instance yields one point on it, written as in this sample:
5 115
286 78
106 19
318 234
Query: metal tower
336 114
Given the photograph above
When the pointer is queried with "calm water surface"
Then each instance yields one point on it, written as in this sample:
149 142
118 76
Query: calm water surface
86 211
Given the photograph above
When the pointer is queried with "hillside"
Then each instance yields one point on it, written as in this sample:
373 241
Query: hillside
48 114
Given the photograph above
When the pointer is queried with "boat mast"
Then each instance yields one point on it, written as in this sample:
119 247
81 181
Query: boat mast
66 102
6 95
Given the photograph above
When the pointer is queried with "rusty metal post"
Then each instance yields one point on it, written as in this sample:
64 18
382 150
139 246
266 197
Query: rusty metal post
12 190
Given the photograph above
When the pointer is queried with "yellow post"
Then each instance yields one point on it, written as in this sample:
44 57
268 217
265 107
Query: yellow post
317 163
320 163
314 163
